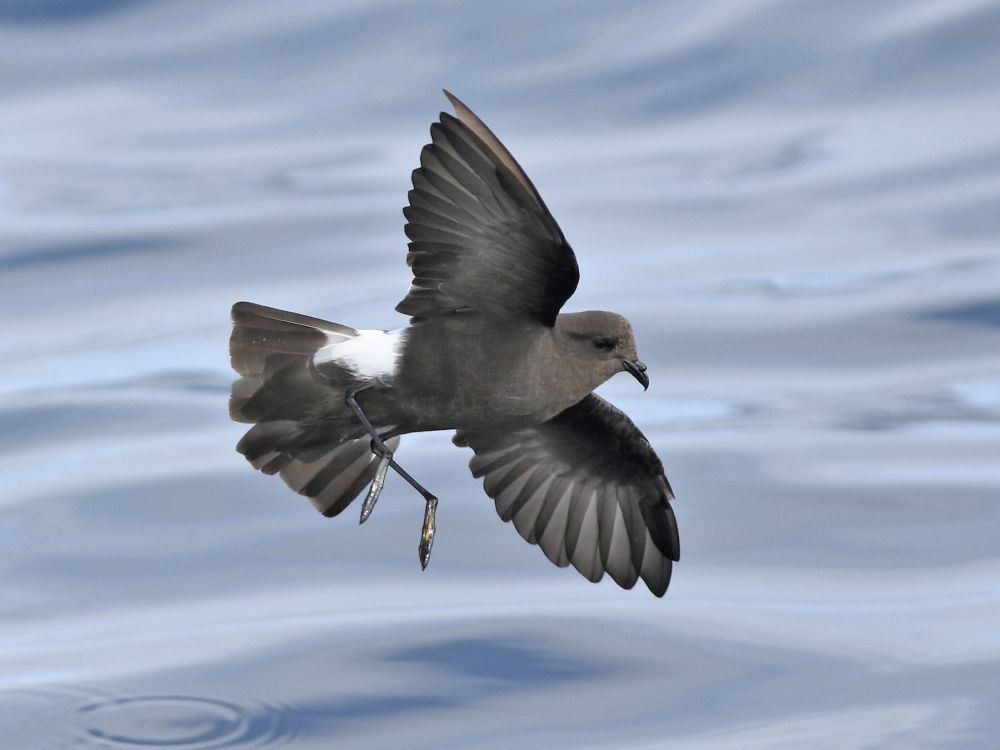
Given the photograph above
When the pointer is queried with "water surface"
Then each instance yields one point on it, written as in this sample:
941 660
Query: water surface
797 205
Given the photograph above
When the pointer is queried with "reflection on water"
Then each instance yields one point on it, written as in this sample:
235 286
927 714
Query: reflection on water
795 204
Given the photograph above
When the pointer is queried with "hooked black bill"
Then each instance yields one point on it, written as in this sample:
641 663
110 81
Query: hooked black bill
637 370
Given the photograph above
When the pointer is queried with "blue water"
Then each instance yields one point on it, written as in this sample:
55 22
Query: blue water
797 204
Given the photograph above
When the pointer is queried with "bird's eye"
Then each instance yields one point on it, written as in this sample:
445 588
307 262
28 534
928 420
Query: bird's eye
605 343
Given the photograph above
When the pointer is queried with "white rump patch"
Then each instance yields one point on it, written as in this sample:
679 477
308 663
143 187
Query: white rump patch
371 354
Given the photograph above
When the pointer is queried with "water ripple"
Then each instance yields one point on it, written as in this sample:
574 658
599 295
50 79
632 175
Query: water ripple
42 717
184 722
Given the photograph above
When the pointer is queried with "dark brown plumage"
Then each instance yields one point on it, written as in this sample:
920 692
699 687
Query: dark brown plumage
487 353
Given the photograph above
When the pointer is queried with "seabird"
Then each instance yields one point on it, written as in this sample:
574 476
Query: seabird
486 353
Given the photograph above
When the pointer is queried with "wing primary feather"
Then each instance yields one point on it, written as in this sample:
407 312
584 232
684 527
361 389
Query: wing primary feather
419 212
577 513
607 508
635 525
529 504
538 478
553 496
466 148
495 484
663 528
437 175
506 497
465 177
490 462
552 539
656 569
586 556
619 561
486 135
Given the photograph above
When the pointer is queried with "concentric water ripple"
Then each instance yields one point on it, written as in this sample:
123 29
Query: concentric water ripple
184 722
179 722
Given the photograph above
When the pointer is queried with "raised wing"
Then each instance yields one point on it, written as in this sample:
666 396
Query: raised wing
587 488
481 237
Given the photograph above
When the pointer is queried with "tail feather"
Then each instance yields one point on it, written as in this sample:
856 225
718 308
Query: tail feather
288 389
302 428
272 349
260 332
333 481
331 475
264 441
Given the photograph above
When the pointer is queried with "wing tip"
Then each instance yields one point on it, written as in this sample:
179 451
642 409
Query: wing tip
242 310
456 103
656 590
482 131
675 537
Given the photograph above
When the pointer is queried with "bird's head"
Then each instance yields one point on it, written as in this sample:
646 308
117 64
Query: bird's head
603 340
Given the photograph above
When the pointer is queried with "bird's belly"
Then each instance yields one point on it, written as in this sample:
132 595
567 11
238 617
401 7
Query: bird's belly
462 373
481 405
458 414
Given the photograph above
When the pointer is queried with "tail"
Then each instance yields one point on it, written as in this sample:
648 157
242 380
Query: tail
303 429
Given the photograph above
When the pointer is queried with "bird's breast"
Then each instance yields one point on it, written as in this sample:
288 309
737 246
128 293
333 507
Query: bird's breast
477 376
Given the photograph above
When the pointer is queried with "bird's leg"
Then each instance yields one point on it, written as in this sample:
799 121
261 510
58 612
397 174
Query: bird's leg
385 463
430 509
378 448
